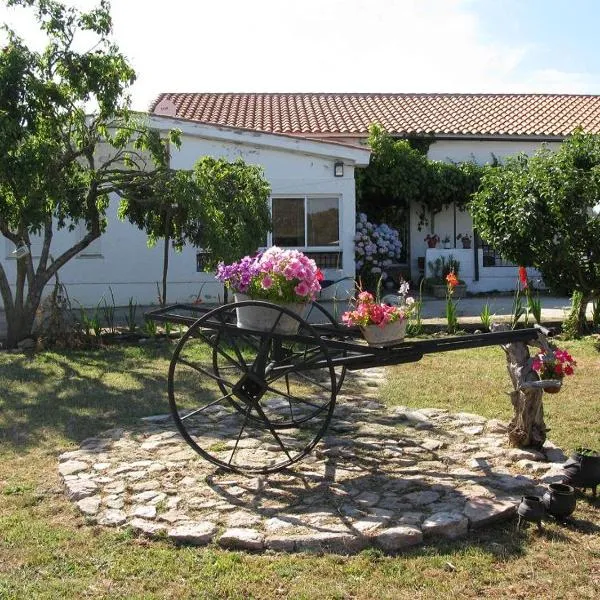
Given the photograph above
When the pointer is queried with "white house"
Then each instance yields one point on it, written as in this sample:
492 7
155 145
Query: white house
311 181
461 127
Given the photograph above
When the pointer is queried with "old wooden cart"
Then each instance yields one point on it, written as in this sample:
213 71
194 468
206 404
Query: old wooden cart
258 401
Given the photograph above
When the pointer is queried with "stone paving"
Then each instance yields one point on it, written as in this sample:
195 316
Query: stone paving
388 478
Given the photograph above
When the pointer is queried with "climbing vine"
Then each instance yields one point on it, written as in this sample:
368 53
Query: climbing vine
400 174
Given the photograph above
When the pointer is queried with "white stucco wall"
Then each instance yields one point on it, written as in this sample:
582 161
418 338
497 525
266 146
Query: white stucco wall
452 222
123 262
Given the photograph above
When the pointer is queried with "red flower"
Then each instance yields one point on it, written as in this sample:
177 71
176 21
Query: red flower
523 276
451 279
320 275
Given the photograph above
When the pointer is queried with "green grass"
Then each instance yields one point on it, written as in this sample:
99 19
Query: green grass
52 401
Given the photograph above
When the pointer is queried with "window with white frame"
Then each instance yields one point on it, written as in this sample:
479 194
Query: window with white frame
311 223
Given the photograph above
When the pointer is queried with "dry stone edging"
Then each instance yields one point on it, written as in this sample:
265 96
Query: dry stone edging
381 477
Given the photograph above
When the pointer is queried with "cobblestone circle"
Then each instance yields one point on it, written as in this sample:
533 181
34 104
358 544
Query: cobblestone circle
381 477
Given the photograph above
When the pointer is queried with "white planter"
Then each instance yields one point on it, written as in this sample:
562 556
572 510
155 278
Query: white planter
262 318
392 333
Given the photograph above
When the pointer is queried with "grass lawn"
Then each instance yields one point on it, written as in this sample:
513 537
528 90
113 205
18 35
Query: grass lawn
51 401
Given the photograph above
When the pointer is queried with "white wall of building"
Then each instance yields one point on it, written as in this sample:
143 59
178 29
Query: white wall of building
121 261
453 221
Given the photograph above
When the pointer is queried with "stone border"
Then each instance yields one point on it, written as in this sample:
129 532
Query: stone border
386 478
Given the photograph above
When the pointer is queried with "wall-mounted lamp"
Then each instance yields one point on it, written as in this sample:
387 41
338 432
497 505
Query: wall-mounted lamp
338 169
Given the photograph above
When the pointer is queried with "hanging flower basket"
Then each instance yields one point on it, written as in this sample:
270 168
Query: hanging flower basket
552 366
551 386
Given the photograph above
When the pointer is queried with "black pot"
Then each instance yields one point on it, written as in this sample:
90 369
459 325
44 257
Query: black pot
583 470
531 509
559 500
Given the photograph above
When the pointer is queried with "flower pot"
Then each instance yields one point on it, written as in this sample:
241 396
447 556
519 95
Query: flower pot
446 245
551 386
466 244
532 509
559 500
388 335
583 470
262 317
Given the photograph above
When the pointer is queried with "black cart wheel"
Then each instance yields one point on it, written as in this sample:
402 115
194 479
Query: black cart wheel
249 400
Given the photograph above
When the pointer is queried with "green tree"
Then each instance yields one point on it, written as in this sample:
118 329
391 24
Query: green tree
541 211
67 141
221 206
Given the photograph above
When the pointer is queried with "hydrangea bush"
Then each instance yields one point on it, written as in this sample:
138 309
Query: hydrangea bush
376 247
275 275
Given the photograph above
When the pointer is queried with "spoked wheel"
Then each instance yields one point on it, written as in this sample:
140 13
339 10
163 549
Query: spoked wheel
318 311
251 401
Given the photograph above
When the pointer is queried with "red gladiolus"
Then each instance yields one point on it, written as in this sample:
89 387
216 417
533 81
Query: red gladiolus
451 279
523 276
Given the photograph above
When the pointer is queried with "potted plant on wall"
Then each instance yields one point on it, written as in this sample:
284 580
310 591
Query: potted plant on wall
432 240
465 238
446 242
439 270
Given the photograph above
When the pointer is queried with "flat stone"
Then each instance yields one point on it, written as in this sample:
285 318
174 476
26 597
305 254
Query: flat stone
241 538
483 511
367 498
280 543
553 454
112 518
496 426
473 429
113 501
447 524
197 533
421 498
77 489
275 524
516 454
430 444
398 538
101 466
144 511
71 467
369 524
242 518
465 416
147 527
478 463
337 542
142 486
533 466
90 505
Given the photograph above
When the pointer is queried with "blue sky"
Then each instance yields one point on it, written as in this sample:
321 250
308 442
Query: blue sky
356 45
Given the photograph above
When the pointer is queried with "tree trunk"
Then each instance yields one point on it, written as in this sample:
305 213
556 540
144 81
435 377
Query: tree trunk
19 323
527 427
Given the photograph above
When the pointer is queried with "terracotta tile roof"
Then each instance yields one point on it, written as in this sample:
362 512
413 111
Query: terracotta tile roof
535 115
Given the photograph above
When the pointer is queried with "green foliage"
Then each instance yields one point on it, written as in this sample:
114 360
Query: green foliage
130 316
486 316
539 211
441 267
220 206
400 175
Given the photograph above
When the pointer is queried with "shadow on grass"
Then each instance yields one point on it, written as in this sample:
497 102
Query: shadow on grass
77 394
